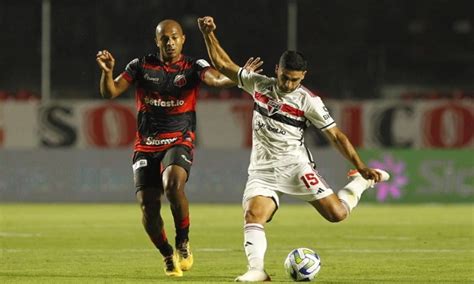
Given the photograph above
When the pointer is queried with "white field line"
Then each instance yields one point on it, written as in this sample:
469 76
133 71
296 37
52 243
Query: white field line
19 235
373 251
390 238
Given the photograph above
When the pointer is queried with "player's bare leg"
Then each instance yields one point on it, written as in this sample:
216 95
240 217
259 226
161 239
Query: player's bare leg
336 208
257 211
150 204
331 208
350 194
174 179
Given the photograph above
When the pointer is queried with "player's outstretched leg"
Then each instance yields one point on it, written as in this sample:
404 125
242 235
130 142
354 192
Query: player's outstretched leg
150 203
351 192
174 179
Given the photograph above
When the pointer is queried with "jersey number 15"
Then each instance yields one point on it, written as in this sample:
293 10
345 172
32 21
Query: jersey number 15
309 180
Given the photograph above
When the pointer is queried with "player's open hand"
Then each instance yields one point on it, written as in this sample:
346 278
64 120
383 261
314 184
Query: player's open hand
253 65
105 60
206 24
370 174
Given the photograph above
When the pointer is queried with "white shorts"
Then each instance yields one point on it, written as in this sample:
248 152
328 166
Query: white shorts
299 180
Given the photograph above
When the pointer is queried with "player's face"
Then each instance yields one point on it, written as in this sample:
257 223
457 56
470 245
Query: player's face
170 40
289 80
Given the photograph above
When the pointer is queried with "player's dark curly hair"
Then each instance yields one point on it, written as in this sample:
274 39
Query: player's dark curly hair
293 60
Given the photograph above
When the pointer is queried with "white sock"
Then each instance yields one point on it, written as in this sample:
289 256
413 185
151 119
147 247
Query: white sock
351 192
255 245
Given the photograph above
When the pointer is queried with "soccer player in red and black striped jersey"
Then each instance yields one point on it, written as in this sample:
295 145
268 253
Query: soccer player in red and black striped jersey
166 88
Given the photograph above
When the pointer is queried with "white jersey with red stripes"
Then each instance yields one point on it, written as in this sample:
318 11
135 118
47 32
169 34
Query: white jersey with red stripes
279 121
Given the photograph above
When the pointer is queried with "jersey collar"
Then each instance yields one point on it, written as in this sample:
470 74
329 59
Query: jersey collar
181 58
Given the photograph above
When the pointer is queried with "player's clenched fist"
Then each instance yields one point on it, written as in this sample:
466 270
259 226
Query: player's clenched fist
206 24
105 60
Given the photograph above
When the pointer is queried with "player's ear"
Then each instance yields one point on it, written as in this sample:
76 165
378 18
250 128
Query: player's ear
184 38
156 41
276 69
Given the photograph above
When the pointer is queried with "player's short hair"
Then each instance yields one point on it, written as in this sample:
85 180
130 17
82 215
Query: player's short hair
293 60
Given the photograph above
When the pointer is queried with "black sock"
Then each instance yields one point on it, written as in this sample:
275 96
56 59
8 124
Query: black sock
182 235
166 249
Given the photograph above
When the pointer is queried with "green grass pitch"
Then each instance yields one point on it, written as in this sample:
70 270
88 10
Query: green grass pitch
105 243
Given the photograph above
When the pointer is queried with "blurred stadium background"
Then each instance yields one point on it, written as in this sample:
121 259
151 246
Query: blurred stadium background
397 76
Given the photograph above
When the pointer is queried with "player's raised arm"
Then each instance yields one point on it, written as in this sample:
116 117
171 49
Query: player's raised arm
219 57
110 88
214 78
342 143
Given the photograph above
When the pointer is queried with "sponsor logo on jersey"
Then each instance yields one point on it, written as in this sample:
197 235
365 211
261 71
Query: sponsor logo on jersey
163 103
273 107
148 78
179 80
260 124
150 141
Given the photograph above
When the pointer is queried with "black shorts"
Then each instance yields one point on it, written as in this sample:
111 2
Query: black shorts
148 167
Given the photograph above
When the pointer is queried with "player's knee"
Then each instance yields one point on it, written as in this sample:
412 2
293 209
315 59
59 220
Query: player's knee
172 194
170 183
174 179
149 203
254 216
174 189
337 215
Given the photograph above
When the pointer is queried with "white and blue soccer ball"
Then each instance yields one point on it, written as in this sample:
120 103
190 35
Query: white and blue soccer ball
302 264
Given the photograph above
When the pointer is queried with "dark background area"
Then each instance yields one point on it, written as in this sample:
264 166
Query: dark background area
355 49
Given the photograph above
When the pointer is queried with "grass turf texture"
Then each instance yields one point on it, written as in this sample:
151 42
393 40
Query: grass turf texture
94 243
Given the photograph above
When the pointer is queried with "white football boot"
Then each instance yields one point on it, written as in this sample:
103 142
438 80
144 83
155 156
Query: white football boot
253 275
384 176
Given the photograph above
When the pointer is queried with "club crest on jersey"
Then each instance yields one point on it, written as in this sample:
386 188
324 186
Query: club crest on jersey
179 80
273 107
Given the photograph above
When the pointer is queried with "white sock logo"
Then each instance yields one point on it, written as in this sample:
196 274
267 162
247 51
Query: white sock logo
186 159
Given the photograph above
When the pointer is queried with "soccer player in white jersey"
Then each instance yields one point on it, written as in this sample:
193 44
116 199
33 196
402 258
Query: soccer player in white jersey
280 163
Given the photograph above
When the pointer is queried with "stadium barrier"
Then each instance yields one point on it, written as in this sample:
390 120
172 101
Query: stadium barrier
81 150
224 124
92 175
219 175
423 175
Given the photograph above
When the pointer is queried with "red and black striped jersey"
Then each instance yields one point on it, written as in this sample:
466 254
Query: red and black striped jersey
165 100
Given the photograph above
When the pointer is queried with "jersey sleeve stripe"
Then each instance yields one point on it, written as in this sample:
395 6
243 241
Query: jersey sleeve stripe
127 77
203 72
239 77
328 126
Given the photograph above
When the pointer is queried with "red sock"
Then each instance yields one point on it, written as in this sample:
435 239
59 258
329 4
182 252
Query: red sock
182 230
161 243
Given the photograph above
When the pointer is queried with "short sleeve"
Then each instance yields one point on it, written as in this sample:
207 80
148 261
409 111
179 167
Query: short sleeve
201 67
131 70
318 114
247 80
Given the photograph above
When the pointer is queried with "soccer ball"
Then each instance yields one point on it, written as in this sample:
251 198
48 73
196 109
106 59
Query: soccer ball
302 264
